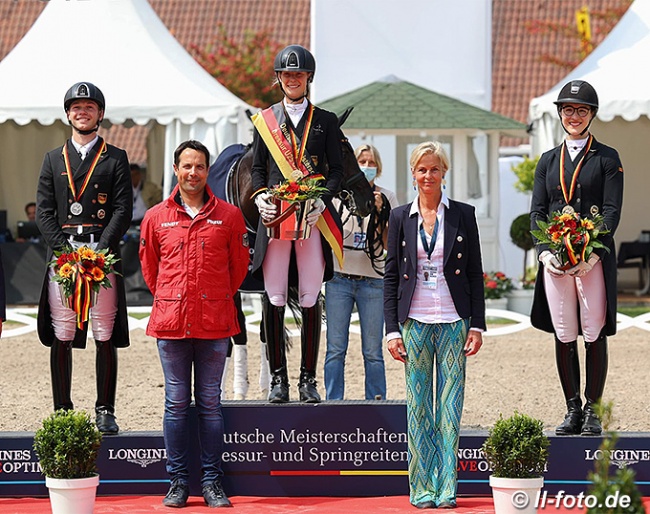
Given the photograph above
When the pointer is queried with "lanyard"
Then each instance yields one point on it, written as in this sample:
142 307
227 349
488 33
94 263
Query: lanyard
434 236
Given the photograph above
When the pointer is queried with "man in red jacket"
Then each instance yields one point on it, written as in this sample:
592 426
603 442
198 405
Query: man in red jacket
194 255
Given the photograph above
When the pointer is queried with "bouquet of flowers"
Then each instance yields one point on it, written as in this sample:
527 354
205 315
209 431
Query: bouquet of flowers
299 188
80 273
571 238
496 285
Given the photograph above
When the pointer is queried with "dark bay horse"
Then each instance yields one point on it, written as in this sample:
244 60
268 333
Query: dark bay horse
356 193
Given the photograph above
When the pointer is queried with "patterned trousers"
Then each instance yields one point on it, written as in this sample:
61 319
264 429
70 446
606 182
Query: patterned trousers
434 427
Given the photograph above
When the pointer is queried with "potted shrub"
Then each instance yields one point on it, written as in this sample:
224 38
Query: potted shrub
521 300
517 451
67 445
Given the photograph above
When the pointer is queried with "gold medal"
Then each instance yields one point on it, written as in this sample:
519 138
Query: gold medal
568 210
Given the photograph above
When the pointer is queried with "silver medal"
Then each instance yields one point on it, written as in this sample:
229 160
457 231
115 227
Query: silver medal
568 210
76 209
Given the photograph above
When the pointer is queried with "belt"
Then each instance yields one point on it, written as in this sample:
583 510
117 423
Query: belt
350 277
82 238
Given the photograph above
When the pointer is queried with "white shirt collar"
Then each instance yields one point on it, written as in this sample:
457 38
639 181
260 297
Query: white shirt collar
83 149
415 206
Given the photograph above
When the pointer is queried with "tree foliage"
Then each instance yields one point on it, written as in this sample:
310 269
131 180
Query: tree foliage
603 22
617 493
245 68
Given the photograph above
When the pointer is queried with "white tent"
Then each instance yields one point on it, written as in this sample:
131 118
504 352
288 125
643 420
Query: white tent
146 76
618 69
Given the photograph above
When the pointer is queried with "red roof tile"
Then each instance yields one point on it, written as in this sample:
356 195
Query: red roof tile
517 73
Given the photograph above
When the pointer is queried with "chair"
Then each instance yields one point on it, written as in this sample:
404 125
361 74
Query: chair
636 254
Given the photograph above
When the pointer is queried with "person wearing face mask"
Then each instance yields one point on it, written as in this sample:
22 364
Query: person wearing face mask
360 283
584 176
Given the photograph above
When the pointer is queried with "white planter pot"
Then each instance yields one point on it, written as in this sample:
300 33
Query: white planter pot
72 496
515 495
497 303
521 300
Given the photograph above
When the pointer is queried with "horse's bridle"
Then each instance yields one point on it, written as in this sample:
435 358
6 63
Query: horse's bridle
345 194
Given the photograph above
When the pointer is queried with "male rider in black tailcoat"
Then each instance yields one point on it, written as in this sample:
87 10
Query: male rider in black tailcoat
84 198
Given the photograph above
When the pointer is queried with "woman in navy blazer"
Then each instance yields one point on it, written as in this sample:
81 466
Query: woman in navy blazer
435 315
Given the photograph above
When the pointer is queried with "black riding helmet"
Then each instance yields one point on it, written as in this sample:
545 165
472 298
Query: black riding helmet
577 92
295 58
85 91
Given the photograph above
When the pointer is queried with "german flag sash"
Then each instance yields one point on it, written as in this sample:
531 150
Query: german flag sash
289 153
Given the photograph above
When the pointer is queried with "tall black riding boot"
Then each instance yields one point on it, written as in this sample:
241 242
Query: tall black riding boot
61 371
310 341
106 370
596 363
568 368
273 324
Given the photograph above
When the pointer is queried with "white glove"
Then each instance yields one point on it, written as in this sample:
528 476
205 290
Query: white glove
267 208
316 210
581 269
551 263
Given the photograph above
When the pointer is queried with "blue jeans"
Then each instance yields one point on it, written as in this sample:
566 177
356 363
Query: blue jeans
208 357
340 296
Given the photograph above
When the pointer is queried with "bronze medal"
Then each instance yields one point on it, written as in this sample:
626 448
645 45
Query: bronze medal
76 209
568 210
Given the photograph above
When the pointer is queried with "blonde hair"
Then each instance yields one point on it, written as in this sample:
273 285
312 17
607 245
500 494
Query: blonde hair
429 147
373 151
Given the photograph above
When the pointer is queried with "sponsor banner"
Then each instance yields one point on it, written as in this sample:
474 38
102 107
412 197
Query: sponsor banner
333 448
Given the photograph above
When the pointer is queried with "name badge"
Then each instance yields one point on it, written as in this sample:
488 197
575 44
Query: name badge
430 276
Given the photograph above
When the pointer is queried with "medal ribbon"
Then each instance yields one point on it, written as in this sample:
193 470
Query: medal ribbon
574 179
68 169
298 153
81 302
282 152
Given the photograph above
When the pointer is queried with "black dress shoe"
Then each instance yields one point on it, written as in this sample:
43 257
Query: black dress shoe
425 505
308 391
214 496
447 505
177 495
279 392
105 421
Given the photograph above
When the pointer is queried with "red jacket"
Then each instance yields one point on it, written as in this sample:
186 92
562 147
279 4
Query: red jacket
193 267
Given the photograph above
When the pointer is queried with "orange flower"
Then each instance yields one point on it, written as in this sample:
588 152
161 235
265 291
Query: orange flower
86 253
66 270
98 274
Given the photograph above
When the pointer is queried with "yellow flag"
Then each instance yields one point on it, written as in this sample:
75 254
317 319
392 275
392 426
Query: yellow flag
582 21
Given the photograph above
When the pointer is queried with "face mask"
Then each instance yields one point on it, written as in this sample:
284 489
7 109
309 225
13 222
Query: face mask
369 172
